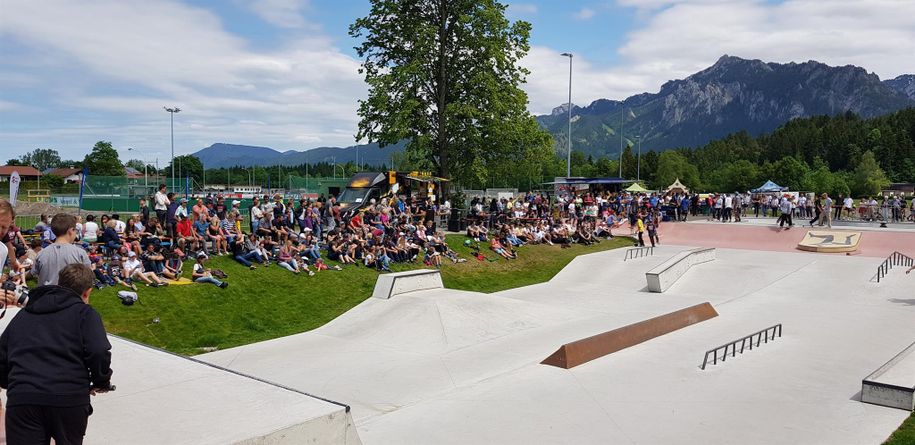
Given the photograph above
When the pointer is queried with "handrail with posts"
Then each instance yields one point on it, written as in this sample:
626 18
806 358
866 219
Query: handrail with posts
895 259
759 337
638 252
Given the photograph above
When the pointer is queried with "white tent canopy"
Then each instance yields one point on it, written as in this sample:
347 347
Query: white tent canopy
677 186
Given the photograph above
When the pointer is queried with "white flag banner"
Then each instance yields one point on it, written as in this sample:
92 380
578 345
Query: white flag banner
14 187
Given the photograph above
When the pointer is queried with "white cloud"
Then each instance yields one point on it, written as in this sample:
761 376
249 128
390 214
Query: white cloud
522 9
282 13
585 14
680 38
150 54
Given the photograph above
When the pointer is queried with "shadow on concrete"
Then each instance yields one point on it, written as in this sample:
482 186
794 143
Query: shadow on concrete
905 301
856 397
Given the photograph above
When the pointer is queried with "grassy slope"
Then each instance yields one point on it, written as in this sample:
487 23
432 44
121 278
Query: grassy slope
269 303
905 435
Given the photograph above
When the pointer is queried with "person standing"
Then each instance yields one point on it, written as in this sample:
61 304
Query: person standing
144 212
640 224
818 210
162 203
61 253
53 355
838 209
826 215
785 207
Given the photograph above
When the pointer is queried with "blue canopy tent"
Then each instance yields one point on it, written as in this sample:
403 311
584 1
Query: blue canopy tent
769 187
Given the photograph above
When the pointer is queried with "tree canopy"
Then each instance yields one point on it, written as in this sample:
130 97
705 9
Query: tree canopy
103 160
444 75
42 158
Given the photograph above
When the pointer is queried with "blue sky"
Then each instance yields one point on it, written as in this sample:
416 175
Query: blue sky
282 73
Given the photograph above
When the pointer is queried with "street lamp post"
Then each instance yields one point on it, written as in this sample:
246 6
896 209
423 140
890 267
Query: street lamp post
638 169
171 112
569 151
145 172
621 141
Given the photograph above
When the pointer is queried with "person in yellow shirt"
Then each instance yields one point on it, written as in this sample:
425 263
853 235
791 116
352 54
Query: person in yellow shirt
640 223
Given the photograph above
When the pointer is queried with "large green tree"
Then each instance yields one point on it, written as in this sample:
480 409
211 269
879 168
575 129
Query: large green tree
673 165
186 165
103 160
444 75
869 178
42 158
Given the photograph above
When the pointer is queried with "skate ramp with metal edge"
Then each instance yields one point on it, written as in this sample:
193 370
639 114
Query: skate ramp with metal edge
830 241
664 275
396 283
164 398
893 384
582 351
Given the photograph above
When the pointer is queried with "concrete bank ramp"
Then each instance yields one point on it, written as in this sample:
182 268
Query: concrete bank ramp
893 385
162 398
661 277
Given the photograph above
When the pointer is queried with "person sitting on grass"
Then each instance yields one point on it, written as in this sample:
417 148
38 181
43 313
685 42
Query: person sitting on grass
203 275
432 258
174 264
154 261
200 231
286 259
116 273
187 236
133 269
252 244
217 238
109 237
244 255
497 247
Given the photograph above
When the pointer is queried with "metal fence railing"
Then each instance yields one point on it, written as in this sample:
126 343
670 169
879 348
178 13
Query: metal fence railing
762 336
638 252
895 259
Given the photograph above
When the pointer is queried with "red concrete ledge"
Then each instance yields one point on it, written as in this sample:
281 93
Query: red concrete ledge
582 351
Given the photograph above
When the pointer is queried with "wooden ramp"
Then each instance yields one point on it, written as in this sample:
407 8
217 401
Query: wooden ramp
582 351
830 241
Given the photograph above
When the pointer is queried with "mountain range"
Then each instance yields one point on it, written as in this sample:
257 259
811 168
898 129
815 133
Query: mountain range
733 94
222 155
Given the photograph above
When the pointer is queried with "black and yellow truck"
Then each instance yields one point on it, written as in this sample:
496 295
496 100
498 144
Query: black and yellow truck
378 186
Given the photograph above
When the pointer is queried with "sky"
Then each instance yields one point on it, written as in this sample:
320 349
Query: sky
283 73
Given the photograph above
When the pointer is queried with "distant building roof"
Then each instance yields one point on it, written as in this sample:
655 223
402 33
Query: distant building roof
132 171
62 172
590 181
8 170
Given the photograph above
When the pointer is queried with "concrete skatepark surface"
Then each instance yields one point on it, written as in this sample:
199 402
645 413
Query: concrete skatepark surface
162 398
445 366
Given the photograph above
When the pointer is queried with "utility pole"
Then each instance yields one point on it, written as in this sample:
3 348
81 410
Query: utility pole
172 112
569 151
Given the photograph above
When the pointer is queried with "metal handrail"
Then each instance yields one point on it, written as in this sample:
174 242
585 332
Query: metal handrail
895 259
762 336
638 252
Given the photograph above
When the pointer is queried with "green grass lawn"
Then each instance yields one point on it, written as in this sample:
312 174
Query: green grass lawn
272 302
905 435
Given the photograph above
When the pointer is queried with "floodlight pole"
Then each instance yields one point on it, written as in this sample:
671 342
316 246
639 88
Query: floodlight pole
569 104
171 112
638 171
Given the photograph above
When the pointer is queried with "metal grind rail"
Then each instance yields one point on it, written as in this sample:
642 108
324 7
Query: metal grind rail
760 337
895 259
638 252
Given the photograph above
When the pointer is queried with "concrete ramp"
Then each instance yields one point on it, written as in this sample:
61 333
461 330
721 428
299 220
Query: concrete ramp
396 283
830 241
163 398
667 273
892 385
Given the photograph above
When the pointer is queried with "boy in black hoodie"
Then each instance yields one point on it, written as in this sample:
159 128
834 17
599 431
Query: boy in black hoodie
53 355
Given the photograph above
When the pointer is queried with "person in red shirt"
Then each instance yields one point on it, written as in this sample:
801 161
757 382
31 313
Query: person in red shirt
187 235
